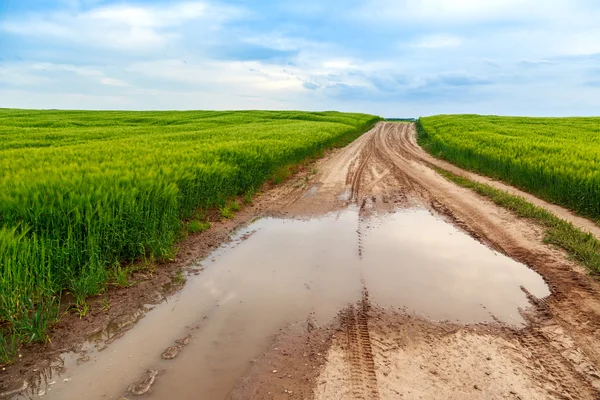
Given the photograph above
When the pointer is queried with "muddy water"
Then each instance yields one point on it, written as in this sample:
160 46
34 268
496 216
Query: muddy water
277 272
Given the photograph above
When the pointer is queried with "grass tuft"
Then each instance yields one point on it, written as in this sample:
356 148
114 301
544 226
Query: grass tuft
197 226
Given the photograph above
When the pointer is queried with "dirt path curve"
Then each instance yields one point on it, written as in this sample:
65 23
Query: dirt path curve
557 355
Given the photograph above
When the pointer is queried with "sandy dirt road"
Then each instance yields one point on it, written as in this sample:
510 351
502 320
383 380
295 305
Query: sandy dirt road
377 354
352 288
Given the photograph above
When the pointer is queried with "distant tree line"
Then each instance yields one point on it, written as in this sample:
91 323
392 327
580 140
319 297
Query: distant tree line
402 119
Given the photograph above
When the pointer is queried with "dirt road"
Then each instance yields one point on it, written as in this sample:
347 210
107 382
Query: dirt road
380 355
364 282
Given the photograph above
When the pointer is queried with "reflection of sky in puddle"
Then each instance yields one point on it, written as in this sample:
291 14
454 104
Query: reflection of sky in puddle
279 271
410 259
415 260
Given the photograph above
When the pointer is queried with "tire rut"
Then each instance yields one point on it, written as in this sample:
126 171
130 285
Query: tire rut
359 351
355 174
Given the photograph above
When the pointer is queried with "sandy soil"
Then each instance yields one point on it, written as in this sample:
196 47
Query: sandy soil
369 352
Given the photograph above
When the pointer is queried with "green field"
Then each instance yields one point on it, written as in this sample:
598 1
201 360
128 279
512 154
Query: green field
81 192
557 159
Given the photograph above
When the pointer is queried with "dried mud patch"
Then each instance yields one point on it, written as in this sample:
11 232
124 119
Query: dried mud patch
414 358
374 353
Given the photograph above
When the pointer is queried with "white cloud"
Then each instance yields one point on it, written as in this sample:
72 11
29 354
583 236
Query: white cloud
278 41
120 26
460 12
113 82
465 9
241 77
75 101
26 74
96 74
528 61
339 64
437 42
585 42
16 75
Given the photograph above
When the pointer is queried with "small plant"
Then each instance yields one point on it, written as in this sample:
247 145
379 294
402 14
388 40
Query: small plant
149 264
82 308
248 197
179 278
169 253
234 206
196 226
105 304
33 324
228 210
314 170
121 276
9 347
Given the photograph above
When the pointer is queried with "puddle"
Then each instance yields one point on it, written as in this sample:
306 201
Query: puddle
278 272
426 265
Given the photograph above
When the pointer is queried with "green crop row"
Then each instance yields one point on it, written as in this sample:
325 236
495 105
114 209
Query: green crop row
82 192
557 159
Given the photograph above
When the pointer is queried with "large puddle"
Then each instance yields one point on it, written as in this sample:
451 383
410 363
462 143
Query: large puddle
279 272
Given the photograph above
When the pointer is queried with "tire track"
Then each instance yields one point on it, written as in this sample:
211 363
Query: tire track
355 175
550 361
565 355
359 351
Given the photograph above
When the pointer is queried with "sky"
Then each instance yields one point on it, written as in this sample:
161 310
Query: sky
394 58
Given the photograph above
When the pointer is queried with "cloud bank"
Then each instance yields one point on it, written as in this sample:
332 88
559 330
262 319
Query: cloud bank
387 57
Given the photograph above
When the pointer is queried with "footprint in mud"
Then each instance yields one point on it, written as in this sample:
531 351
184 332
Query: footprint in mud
143 386
173 351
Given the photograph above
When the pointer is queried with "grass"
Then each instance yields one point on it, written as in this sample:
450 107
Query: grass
282 174
557 159
121 276
580 246
228 210
84 192
197 226
9 346
248 196
179 279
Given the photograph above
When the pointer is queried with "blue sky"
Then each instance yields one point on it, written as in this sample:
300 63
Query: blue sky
386 57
